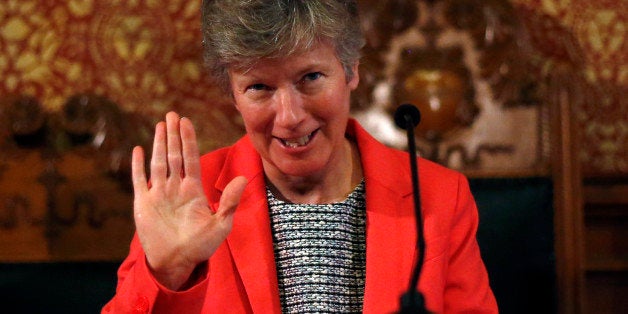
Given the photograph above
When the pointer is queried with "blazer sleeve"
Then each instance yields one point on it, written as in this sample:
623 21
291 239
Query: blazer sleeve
138 291
467 286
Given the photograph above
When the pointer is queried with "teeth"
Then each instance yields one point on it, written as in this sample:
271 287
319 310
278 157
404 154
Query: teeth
296 142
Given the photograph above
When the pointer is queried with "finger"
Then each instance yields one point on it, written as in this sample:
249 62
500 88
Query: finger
138 173
174 145
158 164
191 162
231 196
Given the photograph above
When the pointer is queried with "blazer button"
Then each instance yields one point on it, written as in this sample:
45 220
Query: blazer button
141 304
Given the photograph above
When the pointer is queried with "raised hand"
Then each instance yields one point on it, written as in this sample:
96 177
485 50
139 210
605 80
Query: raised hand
174 223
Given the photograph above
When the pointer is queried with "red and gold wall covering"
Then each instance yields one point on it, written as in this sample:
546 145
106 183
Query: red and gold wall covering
591 37
143 55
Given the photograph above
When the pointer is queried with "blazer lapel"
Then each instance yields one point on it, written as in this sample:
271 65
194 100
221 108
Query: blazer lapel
391 227
390 250
250 240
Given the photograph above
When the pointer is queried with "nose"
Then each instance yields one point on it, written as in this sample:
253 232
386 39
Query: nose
289 108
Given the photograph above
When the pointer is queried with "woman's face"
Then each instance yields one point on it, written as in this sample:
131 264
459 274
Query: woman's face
295 110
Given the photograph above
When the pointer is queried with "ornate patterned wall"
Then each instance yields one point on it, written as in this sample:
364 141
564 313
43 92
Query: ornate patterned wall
520 56
82 81
143 55
589 38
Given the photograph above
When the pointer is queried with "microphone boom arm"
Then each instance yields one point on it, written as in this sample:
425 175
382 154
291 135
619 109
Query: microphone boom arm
408 117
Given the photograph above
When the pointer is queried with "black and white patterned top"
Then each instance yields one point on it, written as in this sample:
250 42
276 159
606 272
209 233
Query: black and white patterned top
320 252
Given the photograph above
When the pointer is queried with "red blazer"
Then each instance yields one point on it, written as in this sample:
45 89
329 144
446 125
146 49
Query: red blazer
242 278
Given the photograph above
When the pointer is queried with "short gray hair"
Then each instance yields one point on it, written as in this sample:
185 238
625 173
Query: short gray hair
238 33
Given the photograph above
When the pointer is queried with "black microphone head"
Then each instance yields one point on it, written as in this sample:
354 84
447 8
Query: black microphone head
409 111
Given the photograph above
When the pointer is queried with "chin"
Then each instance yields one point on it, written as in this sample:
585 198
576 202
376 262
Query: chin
302 168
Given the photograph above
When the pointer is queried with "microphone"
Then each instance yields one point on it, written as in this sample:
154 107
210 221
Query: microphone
407 113
408 117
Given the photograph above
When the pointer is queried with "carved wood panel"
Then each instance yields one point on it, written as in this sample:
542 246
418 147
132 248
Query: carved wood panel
64 185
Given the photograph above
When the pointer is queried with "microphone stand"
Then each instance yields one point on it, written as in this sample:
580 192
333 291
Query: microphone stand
412 301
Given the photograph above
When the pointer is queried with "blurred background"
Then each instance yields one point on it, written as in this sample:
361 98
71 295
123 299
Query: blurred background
526 97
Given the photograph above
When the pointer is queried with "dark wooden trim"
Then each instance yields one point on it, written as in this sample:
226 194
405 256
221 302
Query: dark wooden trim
568 211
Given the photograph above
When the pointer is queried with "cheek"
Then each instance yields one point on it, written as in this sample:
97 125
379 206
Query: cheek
336 105
252 116
254 120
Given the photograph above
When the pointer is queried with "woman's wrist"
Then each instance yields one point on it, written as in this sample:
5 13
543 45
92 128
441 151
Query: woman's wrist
173 277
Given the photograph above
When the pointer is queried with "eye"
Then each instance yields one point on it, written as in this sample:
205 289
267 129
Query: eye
313 76
257 87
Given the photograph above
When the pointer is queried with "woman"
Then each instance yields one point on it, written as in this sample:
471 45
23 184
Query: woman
307 212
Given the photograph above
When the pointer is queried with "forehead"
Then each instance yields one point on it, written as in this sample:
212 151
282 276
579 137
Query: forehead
320 53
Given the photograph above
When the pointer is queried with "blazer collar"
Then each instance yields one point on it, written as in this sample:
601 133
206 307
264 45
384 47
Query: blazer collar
382 167
380 163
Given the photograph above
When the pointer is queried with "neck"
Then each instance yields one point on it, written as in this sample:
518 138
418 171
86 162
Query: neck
333 184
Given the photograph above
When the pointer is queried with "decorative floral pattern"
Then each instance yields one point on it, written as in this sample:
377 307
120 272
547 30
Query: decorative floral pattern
144 55
591 37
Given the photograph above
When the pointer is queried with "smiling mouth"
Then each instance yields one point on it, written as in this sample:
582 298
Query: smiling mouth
297 142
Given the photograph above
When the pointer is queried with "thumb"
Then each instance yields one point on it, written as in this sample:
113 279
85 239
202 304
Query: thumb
231 196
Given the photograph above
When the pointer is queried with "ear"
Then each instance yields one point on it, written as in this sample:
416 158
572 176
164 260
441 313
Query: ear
353 82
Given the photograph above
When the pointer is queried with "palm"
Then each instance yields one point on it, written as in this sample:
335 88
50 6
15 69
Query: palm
174 216
175 226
